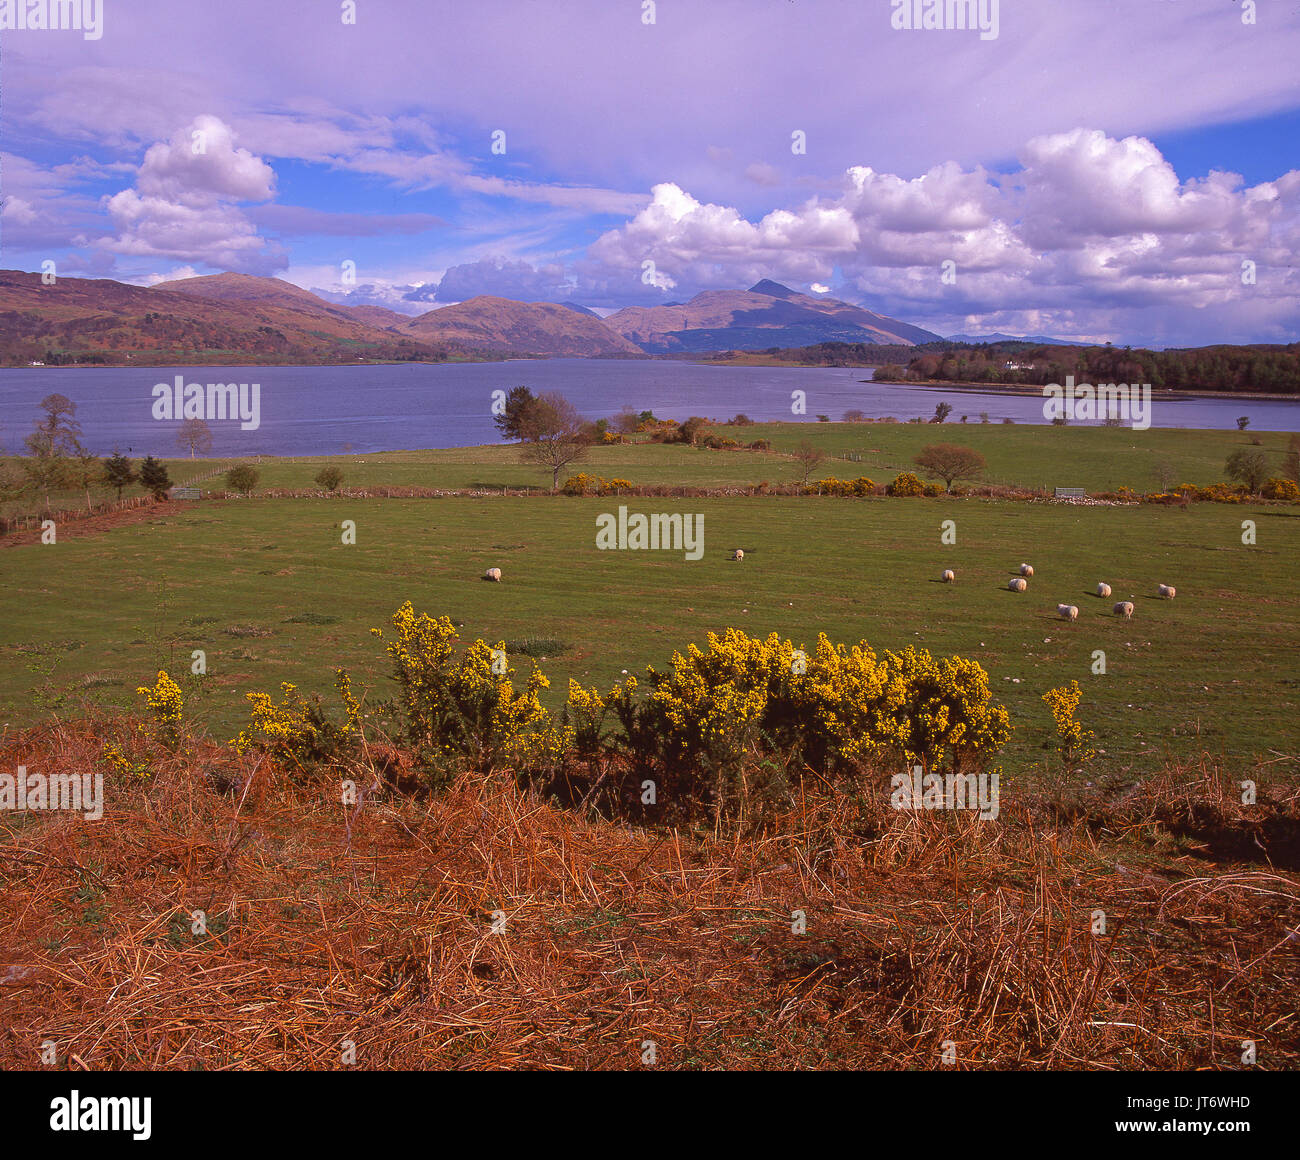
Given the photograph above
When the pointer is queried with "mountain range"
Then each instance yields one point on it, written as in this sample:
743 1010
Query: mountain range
240 318
1040 339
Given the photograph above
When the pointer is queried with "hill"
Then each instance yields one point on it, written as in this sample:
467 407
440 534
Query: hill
503 326
222 318
764 316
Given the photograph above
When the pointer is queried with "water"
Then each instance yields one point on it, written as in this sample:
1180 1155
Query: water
328 410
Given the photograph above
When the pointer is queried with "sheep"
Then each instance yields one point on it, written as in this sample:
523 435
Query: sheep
949 576
1168 591
1067 612
1125 609
1103 590
1026 570
738 554
493 574
1017 585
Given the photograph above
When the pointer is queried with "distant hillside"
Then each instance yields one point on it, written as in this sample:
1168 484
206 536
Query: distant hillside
1038 339
503 326
764 316
224 318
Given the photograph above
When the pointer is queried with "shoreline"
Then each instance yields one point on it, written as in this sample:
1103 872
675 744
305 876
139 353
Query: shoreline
1028 391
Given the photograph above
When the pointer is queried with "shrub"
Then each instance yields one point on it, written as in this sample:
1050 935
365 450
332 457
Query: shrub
1283 489
932 489
761 445
242 478
329 478
166 704
906 484
298 734
463 708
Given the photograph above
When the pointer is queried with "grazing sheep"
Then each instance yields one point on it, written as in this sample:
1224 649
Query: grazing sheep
1067 612
1125 609
738 554
1017 585
493 574
949 576
1168 591
1026 570
1103 590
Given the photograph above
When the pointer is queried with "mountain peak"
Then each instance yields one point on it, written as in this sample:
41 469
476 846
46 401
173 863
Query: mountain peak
772 289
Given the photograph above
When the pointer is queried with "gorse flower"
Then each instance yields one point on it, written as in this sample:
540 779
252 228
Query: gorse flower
164 700
1072 740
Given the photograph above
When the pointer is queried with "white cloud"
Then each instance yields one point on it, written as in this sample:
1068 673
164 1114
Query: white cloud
183 205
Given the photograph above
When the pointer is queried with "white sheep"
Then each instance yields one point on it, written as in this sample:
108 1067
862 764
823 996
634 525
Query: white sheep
1026 570
1103 590
738 554
1067 612
493 574
1125 609
1168 591
949 576
1017 585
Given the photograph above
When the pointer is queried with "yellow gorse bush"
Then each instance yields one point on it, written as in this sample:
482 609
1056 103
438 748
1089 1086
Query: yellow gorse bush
839 706
165 702
1072 740
297 733
455 706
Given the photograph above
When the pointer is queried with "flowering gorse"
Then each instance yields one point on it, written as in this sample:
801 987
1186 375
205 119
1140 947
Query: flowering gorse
165 703
1072 740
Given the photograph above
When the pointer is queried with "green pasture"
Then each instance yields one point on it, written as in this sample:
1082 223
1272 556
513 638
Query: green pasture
268 590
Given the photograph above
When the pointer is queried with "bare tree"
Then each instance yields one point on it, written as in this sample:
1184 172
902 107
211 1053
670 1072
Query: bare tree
950 462
808 457
553 434
196 435
52 445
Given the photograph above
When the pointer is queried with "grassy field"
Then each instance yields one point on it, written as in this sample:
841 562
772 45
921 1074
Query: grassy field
1095 458
269 592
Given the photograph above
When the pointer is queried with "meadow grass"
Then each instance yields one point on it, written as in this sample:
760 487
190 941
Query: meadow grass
270 593
1094 458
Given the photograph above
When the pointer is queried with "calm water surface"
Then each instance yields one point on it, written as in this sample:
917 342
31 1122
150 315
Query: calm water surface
327 410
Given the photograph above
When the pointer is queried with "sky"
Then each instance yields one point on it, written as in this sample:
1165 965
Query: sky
1106 171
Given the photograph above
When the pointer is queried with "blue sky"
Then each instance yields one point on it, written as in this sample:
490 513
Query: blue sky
1112 170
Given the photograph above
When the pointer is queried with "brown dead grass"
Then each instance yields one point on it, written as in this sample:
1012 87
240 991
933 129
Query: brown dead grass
374 925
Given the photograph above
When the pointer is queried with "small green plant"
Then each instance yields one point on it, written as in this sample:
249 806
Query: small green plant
329 478
242 478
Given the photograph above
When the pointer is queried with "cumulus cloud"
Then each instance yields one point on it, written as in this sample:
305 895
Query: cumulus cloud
184 204
1087 227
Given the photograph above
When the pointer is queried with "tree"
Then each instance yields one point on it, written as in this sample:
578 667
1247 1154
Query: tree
154 477
552 431
941 412
950 462
52 445
1291 461
808 457
329 478
1243 422
196 435
627 421
85 469
242 478
1248 467
855 416
509 422
693 430
118 473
